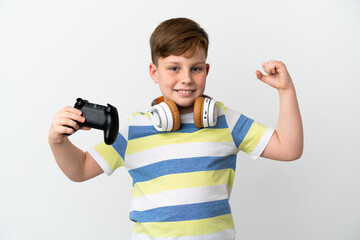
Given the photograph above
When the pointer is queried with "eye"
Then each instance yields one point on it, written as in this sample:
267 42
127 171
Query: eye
174 69
197 69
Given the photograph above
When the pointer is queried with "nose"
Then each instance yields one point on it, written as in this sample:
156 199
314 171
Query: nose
186 78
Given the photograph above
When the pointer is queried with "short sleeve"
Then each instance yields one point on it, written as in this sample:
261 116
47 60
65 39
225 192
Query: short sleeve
111 157
249 136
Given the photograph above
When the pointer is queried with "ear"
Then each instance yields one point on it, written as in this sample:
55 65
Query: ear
207 68
153 72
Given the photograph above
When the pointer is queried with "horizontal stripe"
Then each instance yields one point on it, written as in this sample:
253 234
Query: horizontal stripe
202 135
252 138
186 150
182 212
140 119
185 228
228 234
143 131
241 129
187 118
181 197
184 180
137 114
182 165
262 144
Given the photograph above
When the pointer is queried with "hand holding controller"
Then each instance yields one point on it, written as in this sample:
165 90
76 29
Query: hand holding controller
100 117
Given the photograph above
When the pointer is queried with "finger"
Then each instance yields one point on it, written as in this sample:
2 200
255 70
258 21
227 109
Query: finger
85 128
59 130
269 67
266 68
262 77
265 78
277 66
272 67
66 130
67 123
259 75
71 109
70 115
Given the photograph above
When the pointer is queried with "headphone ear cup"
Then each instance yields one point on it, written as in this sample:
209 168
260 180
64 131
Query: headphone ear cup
211 117
175 115
198 112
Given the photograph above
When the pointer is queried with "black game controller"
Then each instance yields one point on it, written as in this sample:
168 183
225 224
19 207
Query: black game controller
100 117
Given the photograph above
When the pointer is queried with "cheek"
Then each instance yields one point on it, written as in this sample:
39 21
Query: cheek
201 81
167 80
166 84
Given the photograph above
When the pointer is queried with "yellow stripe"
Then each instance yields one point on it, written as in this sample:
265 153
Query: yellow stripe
221 105
225 109
184 180
185 228
140 114
253 137
137 114
157 140
110 155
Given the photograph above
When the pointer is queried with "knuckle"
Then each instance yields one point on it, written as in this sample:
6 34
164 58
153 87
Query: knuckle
66 108
71 123
68 130
76 117
69 109
59 129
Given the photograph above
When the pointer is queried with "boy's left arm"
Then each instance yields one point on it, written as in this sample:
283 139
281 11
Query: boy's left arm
286 143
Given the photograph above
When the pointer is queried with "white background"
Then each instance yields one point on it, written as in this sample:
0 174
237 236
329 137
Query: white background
52 52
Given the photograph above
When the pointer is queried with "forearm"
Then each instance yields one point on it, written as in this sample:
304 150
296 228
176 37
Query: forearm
70 159
289 128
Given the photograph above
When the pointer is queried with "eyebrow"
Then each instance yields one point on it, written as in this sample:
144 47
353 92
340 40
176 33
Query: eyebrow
178 63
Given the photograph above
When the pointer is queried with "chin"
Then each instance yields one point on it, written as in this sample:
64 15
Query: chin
185 103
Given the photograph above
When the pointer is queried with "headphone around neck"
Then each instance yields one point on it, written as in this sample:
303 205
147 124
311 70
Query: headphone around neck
165 115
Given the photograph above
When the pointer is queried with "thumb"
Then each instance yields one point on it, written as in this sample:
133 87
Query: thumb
261 76
270 80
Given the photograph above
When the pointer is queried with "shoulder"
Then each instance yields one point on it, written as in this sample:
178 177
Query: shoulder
228 112
139 117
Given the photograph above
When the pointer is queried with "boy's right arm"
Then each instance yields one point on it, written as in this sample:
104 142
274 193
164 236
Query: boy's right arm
76 164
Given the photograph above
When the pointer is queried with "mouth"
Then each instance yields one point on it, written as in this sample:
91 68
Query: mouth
184 91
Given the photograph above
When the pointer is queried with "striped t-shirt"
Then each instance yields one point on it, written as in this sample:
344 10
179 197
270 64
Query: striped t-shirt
182 180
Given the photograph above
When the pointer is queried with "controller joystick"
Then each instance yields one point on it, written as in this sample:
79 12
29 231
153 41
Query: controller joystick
100 117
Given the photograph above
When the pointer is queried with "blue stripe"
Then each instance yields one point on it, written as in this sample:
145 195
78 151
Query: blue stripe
182 212
221 122
241 129
144 131
182 165
141 131
120 145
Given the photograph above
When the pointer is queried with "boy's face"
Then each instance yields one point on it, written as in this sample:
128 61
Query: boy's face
181 78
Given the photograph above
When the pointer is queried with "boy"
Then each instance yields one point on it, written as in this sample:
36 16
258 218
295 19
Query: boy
182 179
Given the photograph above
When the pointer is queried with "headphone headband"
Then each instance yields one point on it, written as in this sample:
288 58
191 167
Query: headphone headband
157 100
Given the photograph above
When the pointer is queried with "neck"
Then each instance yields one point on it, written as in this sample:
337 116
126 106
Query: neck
183 110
